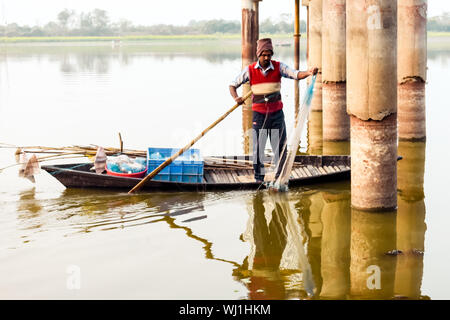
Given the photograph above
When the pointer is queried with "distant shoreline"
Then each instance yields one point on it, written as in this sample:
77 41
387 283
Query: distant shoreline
133 38
118 39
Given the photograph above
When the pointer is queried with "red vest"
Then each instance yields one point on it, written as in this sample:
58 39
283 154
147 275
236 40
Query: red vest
262 85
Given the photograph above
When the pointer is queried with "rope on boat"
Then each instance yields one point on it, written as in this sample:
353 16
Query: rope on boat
70 168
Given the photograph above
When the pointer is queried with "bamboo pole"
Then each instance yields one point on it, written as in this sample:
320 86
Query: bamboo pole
297 56
297 35
182 150
121 143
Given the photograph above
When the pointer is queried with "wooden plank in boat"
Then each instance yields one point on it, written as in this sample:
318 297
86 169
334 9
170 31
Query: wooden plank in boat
300 172
215 176
233 175
303 171
222 176
328 169
211 177
342 167
336 168
322 170
313 170
207 177
295 174
245 179
307 171
228 176
243 173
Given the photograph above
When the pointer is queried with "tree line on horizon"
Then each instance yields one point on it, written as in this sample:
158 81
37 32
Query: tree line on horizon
98 23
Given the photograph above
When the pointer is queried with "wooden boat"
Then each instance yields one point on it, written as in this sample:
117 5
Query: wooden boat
220 173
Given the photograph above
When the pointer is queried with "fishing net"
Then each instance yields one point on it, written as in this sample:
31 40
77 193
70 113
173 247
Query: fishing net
281 183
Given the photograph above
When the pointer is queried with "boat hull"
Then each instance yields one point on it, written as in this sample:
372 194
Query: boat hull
307 170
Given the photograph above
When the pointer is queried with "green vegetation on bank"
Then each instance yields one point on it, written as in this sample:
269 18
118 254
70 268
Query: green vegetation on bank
438 34
113 38
281 37
98 24
440 23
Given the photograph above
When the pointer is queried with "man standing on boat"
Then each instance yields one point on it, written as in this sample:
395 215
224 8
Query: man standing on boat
264 76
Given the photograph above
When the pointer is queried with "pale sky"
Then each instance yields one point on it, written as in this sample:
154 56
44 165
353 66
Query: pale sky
148 12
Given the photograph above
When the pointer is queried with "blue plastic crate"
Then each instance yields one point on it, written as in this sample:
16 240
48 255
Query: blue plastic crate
188 167
192 178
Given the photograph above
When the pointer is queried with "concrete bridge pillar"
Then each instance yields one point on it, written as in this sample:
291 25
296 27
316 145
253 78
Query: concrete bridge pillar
249 36
412 69
336 122
315 49
372 102
314 55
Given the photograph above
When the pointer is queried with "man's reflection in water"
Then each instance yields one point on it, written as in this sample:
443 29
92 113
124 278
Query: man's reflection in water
269 239
277 267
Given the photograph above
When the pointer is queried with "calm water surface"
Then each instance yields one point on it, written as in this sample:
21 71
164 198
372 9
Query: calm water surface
309 243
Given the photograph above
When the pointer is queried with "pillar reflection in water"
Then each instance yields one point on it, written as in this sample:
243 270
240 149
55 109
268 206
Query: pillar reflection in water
314 133
335 251
372 254
336 148
411 225
326 215
310 210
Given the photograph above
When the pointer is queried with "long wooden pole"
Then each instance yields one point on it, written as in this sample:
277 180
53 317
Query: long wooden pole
297 56
190 144
297 36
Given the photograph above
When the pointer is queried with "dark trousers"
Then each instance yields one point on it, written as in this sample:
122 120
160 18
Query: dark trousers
270 126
